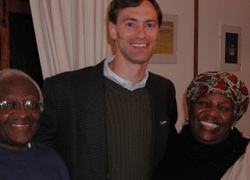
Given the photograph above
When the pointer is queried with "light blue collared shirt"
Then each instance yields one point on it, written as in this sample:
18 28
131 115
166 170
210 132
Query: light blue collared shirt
122 82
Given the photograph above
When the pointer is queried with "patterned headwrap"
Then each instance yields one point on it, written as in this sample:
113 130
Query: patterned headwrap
222 82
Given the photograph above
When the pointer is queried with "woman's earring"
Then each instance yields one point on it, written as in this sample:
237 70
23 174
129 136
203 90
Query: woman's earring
187 120
232 128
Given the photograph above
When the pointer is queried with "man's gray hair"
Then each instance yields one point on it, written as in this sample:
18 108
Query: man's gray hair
6 73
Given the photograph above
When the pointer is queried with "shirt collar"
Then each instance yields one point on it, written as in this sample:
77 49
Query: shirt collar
122 82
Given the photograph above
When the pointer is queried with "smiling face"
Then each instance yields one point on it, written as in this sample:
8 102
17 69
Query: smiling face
19 126
135 33
211 118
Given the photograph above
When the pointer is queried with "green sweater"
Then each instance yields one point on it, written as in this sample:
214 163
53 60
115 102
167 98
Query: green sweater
129 129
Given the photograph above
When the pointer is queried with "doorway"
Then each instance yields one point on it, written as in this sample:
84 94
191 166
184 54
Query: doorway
18 42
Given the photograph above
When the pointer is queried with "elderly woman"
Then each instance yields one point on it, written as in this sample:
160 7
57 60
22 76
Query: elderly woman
209 144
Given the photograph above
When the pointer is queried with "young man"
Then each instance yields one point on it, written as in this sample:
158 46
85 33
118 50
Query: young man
113 120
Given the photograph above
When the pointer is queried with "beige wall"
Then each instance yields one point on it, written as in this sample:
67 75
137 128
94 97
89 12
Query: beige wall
212 14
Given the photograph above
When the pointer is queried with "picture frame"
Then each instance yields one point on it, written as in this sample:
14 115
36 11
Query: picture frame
166 49
230 48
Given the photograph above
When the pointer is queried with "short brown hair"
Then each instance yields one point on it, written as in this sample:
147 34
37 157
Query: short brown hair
116 5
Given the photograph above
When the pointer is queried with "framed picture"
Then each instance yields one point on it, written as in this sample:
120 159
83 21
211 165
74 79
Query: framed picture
166 49
230 48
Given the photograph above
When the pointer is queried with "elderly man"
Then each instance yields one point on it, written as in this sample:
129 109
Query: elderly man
21 103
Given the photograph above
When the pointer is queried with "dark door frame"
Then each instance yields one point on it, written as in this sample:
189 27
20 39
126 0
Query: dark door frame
196 20
6 7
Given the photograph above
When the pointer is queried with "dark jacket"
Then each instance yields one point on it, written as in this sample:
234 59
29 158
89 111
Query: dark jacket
73 121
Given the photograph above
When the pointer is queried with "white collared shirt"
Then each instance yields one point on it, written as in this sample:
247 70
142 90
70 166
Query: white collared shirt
122 82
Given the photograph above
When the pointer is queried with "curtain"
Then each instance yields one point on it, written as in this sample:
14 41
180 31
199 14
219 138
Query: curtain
70 34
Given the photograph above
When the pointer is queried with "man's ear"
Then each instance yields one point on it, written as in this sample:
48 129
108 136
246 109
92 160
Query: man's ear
112 30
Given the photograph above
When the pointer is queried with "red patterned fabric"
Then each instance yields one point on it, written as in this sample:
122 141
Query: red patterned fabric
223 82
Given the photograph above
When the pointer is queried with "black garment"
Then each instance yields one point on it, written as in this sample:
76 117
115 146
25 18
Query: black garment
187 159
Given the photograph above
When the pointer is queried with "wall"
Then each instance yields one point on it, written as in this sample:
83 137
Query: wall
182 72
212 14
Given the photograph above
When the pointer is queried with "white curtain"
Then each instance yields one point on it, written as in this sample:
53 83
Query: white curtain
70 34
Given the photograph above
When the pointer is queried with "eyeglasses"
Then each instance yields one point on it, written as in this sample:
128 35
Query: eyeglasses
13 106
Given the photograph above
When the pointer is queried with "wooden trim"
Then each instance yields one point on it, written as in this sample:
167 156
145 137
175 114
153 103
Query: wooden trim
6 7
196 23
19 6
4 35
